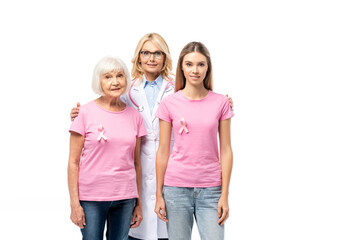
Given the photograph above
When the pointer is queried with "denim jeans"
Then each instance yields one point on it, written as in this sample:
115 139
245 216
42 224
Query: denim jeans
116 214
183 204
132 238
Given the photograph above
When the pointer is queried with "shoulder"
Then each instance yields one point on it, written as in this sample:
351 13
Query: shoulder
172 96
132 111
87 107
134 115
218 96
170 100
136 82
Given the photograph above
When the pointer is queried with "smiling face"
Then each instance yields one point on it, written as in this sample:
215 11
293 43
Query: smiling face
194 67
113 84
151 65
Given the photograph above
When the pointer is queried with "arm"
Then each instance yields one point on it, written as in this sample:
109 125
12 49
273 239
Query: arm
137 213
76 146
162 157
226 160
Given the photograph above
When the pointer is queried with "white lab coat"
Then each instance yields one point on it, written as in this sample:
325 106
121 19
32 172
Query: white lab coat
151 227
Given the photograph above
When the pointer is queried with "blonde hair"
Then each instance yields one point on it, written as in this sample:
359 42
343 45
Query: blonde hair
137 70
180 80
106 65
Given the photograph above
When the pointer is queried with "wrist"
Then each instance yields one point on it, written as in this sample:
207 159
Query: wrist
159 194
225 194
138 202
75 204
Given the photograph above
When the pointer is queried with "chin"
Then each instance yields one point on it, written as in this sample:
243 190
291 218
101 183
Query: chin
116 94
153 70
196 83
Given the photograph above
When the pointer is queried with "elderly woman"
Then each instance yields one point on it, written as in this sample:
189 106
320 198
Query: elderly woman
104 171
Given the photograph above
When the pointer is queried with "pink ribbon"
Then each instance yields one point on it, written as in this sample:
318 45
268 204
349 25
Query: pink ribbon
183 126
101 133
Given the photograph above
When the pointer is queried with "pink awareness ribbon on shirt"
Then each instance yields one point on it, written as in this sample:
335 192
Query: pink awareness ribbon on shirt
183 126
101 133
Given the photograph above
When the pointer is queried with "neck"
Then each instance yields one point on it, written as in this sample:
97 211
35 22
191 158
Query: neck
195 92
151 76
113 104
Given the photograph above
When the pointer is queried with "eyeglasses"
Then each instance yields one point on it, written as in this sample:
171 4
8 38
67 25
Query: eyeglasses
147 54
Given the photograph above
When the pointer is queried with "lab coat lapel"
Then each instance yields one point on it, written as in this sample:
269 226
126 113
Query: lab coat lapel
142 101
161 95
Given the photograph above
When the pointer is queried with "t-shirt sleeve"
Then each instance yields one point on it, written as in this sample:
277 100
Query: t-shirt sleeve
78 124
141 130
163 112
226 110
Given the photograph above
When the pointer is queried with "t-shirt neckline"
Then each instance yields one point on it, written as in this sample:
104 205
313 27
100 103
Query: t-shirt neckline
194 100
126 106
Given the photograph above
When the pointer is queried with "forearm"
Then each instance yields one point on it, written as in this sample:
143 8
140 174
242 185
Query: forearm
76 146
162 155
226 160
138 182
73 176
161 164
226 155
138 170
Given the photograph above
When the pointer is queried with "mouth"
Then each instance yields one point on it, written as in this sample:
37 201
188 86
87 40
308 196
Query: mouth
194 77
151 65
115 89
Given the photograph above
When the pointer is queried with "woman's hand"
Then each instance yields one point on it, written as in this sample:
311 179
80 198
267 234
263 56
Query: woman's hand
136 217
74 112
223 210
160 208
229 99
78 216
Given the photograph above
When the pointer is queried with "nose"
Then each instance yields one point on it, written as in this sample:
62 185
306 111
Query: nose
152 57
114 81
195 69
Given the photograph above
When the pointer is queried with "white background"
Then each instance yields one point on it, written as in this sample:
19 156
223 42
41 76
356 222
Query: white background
291 67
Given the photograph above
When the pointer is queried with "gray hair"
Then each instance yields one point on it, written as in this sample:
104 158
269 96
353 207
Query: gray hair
106 65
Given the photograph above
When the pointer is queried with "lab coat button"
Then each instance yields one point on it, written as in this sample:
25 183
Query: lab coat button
152 197
151 177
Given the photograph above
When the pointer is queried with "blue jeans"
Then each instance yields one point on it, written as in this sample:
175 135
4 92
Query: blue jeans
132 238
183 204
116 214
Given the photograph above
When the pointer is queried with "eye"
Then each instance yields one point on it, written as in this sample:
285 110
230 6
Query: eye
188 64
202 64
120 75
107 77
145 53
157 54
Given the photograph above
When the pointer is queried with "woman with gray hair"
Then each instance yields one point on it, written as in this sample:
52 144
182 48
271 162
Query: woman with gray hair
104 170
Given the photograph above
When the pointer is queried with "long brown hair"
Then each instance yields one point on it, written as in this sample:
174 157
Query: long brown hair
180 80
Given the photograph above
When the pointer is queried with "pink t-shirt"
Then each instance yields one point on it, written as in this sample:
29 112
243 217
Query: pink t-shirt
194 160
107 171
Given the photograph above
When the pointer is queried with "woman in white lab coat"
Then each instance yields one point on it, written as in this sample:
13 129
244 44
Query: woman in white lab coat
151 70
152 66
